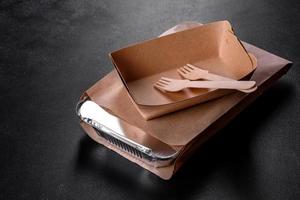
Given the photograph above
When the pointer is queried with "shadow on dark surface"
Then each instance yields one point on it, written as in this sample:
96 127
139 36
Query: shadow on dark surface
226 157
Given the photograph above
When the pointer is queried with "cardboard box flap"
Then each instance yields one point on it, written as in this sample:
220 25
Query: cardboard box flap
213 47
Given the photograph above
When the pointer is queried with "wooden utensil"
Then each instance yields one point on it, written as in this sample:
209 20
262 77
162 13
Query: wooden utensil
191 72
175 85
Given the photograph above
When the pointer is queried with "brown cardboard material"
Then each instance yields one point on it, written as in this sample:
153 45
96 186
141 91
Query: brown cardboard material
176 129
212 47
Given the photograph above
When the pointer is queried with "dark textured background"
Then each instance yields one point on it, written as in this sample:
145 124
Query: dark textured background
52 50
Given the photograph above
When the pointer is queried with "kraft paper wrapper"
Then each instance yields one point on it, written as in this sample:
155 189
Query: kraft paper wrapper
189 128
212 47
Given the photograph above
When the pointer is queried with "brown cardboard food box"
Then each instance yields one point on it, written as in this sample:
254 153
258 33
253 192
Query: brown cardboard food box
213 47
184 130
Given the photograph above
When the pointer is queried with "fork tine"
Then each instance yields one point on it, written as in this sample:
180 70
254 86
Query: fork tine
166 79
159 87
191 66
196 68
187 68
179 70
163 82
184 70
182 73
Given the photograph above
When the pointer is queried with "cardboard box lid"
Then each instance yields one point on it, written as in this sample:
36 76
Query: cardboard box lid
213 47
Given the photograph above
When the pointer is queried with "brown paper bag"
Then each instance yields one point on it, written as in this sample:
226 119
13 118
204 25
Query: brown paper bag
186 129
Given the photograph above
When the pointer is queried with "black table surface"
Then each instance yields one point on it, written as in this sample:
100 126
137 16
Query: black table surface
52 50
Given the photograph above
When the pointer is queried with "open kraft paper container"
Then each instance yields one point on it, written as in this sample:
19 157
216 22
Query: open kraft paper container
187 129
212 47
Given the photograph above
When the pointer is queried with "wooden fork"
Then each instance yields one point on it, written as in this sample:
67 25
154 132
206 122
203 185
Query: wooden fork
175 85
194 73
191 72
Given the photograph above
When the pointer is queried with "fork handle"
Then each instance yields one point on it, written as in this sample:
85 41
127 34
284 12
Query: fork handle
238 85
204 74
214 77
